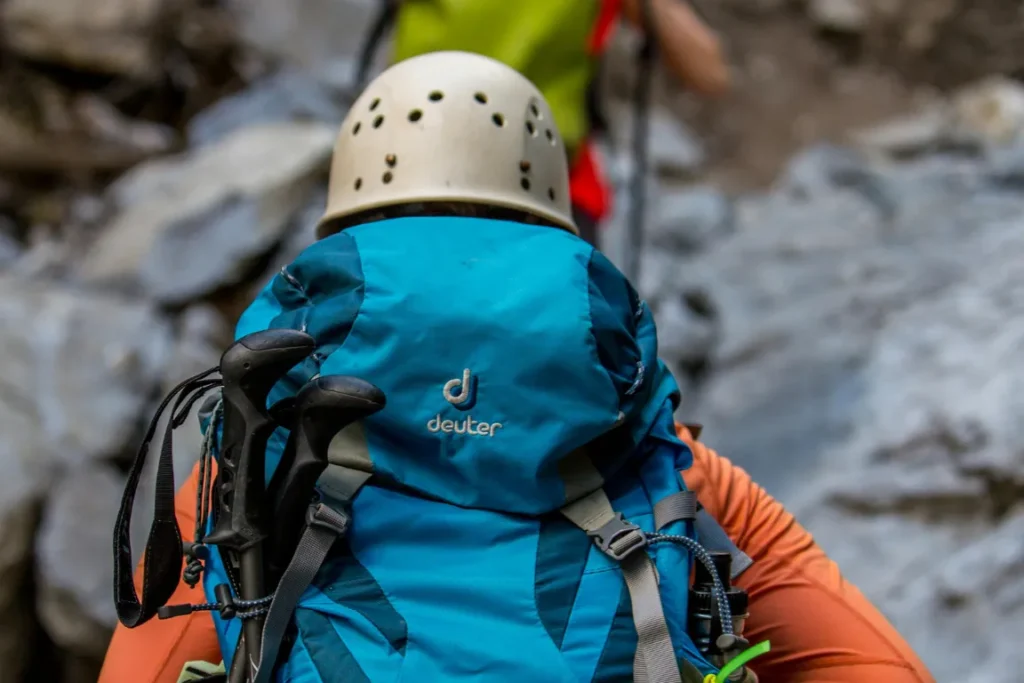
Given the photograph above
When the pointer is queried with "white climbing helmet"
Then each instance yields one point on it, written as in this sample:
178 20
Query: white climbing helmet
449 127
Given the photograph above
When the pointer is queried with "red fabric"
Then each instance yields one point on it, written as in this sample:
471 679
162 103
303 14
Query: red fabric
604 26
588 188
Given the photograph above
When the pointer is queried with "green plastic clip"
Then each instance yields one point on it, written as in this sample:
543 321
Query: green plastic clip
198 671
739 660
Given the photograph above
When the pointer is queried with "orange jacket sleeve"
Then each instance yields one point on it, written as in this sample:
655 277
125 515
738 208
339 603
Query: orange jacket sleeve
157 651
822 629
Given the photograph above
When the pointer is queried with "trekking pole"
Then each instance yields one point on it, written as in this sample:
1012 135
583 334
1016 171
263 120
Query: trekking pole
323 409
641 106
704 621
250 368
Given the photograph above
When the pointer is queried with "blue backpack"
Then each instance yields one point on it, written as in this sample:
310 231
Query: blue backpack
515 512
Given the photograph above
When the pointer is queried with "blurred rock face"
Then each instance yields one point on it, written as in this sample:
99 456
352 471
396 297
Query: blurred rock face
106 36
860 331
851 335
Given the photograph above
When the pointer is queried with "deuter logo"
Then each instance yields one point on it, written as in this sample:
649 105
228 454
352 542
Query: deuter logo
461 392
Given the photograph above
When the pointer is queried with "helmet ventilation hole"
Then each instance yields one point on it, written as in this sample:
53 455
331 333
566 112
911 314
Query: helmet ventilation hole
524 165
375 103
436 96
551 193
387 177
355 128
391 160
525 183
379 120
480 97
359 183
531 129
499 120
535 111
415 115
551 137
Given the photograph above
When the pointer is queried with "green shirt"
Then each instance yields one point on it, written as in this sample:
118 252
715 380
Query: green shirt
545 40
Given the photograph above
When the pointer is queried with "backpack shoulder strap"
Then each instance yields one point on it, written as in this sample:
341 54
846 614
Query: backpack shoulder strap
685 506
625 543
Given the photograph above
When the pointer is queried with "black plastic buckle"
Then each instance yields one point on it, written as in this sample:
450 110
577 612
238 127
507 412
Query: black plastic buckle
326 517
618 539
225 601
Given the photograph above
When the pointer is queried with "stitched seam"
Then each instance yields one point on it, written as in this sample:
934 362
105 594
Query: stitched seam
295 283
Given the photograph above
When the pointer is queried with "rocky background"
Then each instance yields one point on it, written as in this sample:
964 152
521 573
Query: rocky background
833 256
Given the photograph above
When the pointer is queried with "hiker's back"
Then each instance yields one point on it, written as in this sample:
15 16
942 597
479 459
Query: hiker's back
503 348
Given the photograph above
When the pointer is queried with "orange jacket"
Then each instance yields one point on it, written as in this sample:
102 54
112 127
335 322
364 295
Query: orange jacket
821 628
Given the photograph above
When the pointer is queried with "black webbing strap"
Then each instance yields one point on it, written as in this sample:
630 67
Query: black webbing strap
163 554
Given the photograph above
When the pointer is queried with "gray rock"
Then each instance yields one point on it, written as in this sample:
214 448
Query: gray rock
804 286
109 36
690 219
289 95
850 16
48 259
942 374
824 168
673 148
689 332
76 369
340 73
10 249
868 376
190 224
1006 166
303 229
202 337
990 111
983 116
909 135
104 121
306 33
74 570
299 235
615 234
677 224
